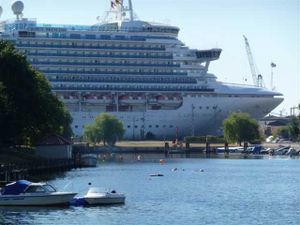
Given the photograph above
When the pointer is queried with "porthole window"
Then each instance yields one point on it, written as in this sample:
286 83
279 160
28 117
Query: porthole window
150 126
128 126
157 126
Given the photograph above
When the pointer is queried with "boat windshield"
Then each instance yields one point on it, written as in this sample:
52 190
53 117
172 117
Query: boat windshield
96 190
34 189
40 188
49 188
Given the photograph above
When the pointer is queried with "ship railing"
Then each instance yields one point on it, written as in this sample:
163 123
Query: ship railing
110 88
104 56
48 72
89 47
239 85
107 64
94 80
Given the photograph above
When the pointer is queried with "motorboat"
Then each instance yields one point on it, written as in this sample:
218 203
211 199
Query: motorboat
156 175
26 193
230 149
96 196
88 160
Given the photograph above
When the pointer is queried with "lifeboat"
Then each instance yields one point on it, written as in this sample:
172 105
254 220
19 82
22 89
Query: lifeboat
131 99
70 98
168 100
98 99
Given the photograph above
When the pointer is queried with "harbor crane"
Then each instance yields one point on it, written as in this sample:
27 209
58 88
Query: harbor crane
256 76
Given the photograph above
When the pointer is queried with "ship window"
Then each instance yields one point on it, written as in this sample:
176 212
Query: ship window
207 107
171 126
76 126
200 107
150 126
157 126
135 126
128 126
90 36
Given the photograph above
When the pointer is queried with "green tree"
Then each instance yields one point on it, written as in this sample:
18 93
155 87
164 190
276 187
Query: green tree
293 128
240 127
283 132
107 128
31 110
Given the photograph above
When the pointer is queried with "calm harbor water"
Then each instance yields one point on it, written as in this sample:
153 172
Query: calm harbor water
229 191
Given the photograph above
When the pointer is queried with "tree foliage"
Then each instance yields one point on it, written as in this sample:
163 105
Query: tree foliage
28 109
107 128
240 127
294 129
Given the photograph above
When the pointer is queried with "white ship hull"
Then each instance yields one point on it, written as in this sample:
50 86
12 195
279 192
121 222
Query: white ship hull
196 116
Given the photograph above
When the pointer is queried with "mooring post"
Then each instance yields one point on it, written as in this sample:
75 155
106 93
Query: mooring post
207 147
166 149
245 147
226 149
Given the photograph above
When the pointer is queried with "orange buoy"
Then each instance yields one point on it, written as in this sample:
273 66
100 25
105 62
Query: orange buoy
161 161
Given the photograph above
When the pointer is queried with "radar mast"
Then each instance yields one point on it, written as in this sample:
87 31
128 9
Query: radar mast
119 11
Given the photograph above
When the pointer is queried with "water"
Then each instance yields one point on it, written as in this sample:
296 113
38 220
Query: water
229 191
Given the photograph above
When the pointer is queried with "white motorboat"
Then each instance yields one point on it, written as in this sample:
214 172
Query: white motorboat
96 196
89 160
26 193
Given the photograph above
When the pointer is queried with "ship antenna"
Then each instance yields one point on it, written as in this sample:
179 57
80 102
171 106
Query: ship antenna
130 9
119 11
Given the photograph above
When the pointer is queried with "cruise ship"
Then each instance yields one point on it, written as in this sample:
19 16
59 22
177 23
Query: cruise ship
136 70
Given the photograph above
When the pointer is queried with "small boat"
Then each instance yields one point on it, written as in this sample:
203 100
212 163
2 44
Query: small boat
88 160
95 196
156 175
26 193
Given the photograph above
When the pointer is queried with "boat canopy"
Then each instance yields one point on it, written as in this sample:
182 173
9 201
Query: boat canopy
15 188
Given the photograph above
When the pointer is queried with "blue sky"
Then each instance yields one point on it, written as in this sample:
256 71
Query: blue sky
272 28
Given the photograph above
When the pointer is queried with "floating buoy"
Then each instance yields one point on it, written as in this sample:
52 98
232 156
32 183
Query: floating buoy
156 175
139 157
161 161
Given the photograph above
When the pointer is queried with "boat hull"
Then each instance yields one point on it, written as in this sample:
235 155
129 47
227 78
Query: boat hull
105 201
53 199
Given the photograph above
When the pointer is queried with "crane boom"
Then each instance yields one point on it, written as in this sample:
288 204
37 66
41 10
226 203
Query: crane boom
257 78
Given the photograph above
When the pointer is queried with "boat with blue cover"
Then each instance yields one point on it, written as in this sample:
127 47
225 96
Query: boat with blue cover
26 193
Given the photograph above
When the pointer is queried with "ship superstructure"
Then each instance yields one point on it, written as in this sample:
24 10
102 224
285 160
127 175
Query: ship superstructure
136 70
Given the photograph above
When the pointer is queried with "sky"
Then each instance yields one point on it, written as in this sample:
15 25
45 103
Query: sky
271 26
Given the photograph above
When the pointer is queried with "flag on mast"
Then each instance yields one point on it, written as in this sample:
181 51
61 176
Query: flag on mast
119 2
112 4
273 64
